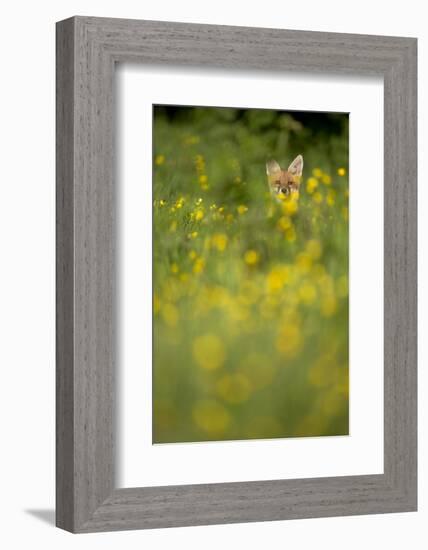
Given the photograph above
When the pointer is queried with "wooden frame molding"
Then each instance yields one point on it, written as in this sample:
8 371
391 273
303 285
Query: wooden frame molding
87 51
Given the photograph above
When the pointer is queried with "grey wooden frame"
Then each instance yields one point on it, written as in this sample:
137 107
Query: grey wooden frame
87 50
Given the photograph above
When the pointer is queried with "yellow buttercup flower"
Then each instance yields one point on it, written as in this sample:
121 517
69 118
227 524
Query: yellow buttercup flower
341 172
314 249
242 209
289 340
179 203
234 388
211 416
307 293
278 277
311 185
209 352
284 223
318 198
290 205
304 262
156 304
199 266
290 234
159 160
199 214
219 241
326 179
170 314
331 197
328 305
251 257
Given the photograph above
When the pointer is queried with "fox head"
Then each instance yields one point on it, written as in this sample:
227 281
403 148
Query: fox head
284 183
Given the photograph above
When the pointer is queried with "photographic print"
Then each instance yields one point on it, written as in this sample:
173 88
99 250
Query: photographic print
250 274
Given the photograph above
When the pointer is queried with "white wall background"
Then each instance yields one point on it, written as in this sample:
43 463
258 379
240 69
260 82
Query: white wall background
27 272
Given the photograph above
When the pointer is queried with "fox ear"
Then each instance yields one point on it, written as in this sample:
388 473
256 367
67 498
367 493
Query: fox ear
272 167
296 167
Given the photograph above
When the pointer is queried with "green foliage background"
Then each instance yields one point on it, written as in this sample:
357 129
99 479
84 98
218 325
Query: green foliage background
250 294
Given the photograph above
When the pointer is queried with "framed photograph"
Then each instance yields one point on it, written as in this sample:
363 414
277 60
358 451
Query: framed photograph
236 274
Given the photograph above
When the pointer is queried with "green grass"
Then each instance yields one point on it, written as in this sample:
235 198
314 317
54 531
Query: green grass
250 295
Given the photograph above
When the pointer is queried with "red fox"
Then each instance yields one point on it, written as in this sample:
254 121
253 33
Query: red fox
284 183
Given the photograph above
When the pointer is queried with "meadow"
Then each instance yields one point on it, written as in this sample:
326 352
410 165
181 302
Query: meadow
250 295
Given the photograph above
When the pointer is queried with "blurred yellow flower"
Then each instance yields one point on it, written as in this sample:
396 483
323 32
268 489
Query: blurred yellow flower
162 202
289 340
170 314
259 369
311 185
290 234
203 178
284 223
219 241
192 235
199 163
251 257
211 416
341 171
318 198
278 277
208 351
268 308
304 262
242 209
234 388
174 268
326 179
331 196
199 214
317 172
198 266
290 205
324 371
159 159
179 203
192 254
314 248
249 292
237 311
307 293
328 305
156 304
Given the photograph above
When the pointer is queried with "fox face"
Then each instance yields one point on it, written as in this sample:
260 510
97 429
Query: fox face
284 183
